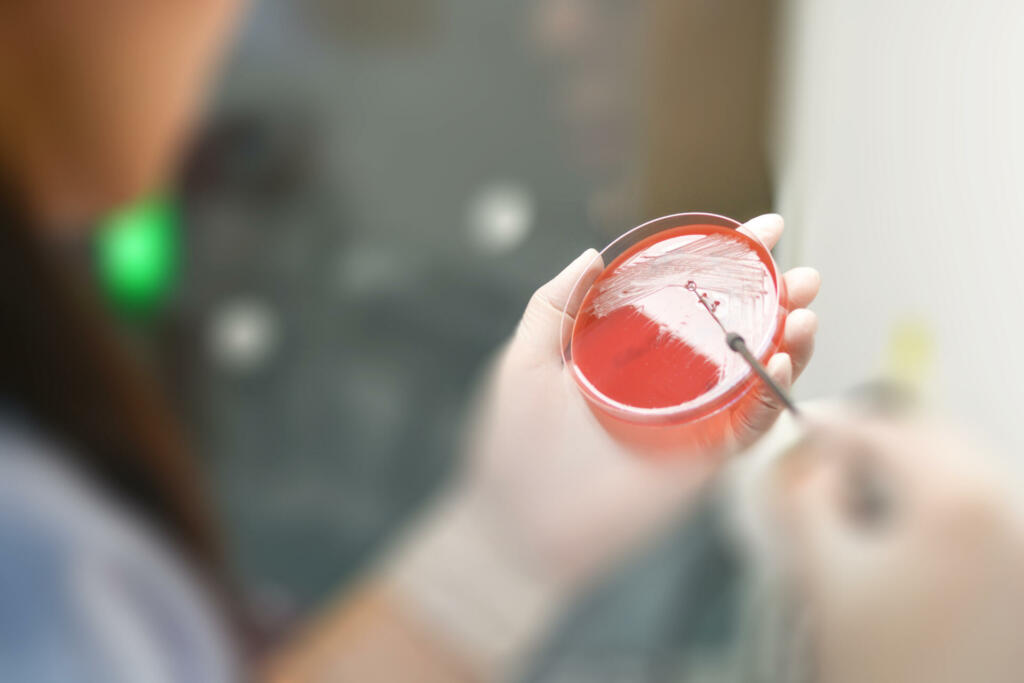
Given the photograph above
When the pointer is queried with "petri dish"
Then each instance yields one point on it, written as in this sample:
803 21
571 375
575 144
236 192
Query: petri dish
649 358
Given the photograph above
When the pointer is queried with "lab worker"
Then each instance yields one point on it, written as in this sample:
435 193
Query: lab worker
112 568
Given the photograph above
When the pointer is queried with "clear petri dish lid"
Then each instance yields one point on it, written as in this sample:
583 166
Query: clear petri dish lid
643 347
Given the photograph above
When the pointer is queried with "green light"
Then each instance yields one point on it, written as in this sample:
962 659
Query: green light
137 254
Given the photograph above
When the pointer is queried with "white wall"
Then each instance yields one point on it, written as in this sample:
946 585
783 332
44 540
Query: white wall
901 158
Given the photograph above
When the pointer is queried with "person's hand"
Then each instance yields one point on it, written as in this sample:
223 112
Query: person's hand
547 491
570 494
905 542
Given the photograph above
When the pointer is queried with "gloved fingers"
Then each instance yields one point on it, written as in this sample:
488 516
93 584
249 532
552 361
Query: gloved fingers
802 285
760 414
767 228
798 338
541 330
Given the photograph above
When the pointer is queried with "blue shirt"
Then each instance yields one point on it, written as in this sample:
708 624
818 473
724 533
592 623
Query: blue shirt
89 593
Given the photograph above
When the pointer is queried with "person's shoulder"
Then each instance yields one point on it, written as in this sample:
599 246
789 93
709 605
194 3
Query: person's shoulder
40 516
88 590
36 487
44 496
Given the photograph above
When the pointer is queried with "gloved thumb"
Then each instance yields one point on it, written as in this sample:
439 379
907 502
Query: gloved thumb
550 313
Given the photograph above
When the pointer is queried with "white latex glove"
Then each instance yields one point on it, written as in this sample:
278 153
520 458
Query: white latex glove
907 542
548 499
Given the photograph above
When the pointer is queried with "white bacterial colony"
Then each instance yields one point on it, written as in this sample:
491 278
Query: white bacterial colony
726 266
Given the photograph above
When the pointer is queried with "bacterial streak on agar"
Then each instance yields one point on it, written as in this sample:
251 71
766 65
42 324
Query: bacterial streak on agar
659 372
638 343
712 306
725 265
739 345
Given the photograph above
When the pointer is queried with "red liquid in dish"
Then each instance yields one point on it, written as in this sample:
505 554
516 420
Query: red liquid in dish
645 351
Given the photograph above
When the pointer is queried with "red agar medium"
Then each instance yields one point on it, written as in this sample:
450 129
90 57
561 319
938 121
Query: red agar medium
646 352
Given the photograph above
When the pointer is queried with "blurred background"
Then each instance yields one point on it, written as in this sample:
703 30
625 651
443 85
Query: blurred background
381 184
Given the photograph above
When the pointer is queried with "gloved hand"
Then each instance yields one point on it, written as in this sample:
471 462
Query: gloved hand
548 499
901 538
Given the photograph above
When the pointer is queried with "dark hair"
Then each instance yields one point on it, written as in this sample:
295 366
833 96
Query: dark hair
63 369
